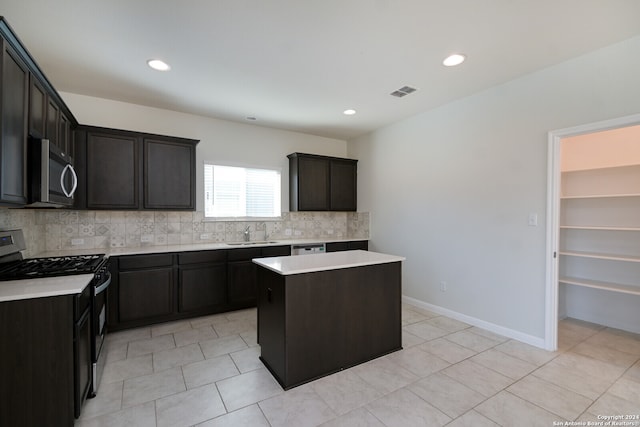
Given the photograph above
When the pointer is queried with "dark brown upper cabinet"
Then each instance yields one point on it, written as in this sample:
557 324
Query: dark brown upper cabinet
169 174
132 170
58 128
37 108
14 105
47 119
53 120
343 184
112 170
65 137
29 106
322 183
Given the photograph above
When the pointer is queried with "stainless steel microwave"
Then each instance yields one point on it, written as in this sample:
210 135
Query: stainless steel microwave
52 179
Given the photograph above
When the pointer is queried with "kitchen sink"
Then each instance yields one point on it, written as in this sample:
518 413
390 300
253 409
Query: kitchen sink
263 242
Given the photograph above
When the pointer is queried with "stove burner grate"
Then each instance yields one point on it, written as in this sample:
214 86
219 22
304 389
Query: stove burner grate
52 266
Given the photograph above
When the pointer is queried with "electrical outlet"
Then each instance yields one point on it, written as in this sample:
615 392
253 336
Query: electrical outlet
443 286
205 236
77 242
146 238
533 219
287 232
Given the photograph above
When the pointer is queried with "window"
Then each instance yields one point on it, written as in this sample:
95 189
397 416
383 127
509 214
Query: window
240 192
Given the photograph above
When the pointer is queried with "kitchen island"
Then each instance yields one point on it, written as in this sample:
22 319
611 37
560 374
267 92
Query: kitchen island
321 313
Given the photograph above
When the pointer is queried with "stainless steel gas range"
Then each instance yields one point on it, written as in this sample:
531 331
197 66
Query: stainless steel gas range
14 267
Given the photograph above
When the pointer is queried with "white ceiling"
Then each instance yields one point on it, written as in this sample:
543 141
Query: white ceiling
297 64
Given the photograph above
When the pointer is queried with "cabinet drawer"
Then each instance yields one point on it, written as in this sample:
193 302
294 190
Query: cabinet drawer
135 262
347 246
337 246
276 251
202 257
359 244
244 254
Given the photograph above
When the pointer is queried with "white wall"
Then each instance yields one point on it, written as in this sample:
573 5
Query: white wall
220 140
451 188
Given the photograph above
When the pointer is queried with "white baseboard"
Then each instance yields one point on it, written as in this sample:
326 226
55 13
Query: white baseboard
497 329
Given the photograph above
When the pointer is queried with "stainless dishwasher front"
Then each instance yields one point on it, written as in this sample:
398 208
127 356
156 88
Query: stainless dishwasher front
308 248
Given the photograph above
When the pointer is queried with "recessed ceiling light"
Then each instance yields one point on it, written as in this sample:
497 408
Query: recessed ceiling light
158 64
349 112
453 60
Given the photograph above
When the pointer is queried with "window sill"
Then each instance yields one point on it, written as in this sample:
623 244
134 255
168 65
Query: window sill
242 219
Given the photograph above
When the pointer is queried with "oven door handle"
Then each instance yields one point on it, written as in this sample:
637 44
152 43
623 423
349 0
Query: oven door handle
104 285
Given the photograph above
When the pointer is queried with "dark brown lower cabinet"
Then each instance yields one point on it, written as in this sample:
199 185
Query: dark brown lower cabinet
202 287
314 324
144 288
347 246
243 286
82 366
269 251
146 294
37 362
202 281
153 288
242 280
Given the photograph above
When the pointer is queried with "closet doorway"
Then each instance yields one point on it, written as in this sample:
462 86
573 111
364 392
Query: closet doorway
593 229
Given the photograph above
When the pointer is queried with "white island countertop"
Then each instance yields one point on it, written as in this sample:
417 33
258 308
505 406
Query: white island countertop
287 265
11 290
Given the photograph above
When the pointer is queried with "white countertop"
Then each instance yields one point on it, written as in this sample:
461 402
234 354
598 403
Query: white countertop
12 290
67 285
287 265
188 248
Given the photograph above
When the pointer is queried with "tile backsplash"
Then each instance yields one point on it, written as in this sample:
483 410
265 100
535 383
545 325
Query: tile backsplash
52 230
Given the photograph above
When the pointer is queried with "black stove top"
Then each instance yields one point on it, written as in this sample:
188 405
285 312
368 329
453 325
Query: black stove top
52 266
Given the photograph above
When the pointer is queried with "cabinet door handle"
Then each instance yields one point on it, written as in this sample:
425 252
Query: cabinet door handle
269 293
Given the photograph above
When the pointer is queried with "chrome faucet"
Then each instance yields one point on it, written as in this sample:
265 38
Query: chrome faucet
247 234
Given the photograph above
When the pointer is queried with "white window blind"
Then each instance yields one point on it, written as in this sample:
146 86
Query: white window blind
232 192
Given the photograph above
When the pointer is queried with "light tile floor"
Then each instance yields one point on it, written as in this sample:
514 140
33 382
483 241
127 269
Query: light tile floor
206 372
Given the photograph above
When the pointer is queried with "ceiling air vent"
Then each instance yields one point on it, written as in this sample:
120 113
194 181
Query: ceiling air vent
403 91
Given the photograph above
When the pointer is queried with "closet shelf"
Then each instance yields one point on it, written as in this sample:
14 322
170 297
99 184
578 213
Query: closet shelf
598 227
600 196
596 255
608 286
